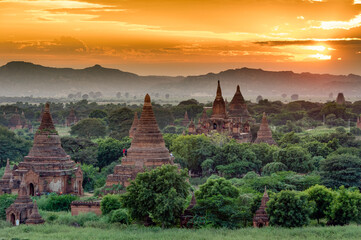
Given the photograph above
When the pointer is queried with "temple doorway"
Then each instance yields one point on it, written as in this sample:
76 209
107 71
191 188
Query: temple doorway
260 225
214 125
12 219
31 189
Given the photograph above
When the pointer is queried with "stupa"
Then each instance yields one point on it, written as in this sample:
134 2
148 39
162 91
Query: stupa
5 181
35 217
147 149
238 108
15 121
185 120
261 217
340 99
134 125
47 168
21 209
264 134
71 118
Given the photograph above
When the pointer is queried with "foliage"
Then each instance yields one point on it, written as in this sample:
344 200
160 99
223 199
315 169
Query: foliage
120 216
97 113
12 146
289 209
120 121
322 197
296 159
338 170
109 203
81 150
345 208
89 128
109 150
217 203
54 202
273 167
5 201
159 194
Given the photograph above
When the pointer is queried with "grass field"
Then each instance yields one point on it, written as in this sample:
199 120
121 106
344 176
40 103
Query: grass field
134 232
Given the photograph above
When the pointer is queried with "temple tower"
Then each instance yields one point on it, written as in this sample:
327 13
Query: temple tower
47 168
185 120
219 106
264 134
35 217
340 99
261 217
238 108
147 149
5 186
71 118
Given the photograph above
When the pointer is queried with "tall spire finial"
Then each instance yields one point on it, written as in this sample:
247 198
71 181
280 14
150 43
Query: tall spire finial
238 88
147 100
47 107
219 90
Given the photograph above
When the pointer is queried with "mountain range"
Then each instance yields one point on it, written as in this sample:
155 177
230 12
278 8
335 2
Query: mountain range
26 79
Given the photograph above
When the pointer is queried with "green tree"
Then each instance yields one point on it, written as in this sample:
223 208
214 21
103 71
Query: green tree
159 194
109 150
120 121
273 167
296 159
345 208
341 170
322 197
217 202
89 128
97 113
80 149
109 203
12 146
193 150
289 209
5 201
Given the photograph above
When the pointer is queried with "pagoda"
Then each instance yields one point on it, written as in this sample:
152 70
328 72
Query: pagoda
134 125
340 99
35 217
5 181
71 118
47 168
21 209
233 123
264 134
185 120
15 121
261 217
147 149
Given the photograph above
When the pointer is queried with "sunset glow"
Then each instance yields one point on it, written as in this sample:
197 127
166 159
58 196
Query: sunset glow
184 37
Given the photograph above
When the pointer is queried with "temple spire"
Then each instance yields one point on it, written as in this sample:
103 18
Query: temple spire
35 217
264 133
7 172
219 90
47 120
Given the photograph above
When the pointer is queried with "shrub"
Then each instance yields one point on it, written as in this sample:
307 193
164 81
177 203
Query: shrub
78 220
109 203
322 197
120 216
273 167
55 203
289 209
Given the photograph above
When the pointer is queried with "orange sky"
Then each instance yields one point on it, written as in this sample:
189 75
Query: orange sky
173 37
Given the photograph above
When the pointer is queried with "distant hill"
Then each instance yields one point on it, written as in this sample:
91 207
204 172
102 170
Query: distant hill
25 79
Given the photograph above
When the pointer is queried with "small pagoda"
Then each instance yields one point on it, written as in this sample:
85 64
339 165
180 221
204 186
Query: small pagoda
71 119
147 149
47 167
35 217
340 99
17 121
264 134
185 120
5 181
134 125
261 219
238 108
21 209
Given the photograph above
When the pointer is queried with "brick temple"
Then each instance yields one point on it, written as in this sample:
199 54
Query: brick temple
6 180
185 120
47 168
71 119
234 122
340 99
261 219
264 134
147 149
17 121
23 211
134 125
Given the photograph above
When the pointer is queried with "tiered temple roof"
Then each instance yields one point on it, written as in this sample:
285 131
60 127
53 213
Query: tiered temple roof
264 134
47 167
147 149
35 217
238 106
133 128
261 217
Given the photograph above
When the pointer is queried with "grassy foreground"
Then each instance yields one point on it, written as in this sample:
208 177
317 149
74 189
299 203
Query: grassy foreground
49 231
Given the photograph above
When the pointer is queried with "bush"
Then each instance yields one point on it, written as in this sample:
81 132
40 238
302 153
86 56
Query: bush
5 201
289 209
273 167
78 220
120 216
55 203
109 203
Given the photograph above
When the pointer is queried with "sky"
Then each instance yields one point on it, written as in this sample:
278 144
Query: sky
173 37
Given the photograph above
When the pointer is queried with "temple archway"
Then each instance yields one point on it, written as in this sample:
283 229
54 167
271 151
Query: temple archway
31 189
12 219
214 125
